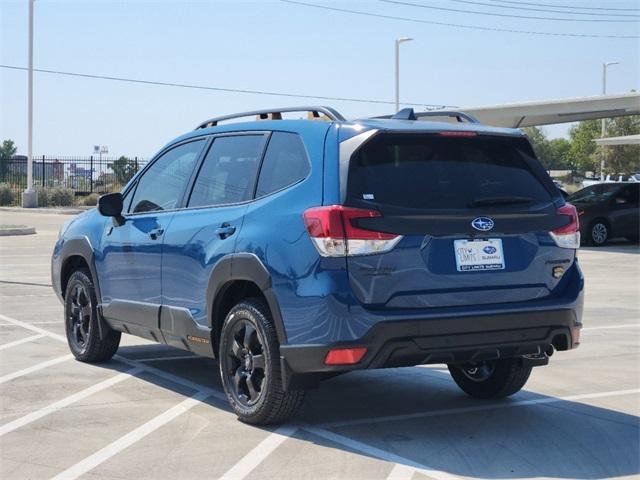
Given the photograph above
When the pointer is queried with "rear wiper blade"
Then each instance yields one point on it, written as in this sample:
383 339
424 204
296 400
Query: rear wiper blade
487 201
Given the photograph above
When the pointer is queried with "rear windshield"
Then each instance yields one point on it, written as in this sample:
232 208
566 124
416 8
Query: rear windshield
439 172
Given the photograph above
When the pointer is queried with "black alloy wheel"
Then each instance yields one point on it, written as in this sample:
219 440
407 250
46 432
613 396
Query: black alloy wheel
86 340
250 368
79 316
246 364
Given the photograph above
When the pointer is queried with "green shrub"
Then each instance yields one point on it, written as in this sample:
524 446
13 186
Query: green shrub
89 201
44 199
6 194
62 197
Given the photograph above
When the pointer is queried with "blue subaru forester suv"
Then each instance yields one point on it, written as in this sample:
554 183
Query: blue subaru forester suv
296 250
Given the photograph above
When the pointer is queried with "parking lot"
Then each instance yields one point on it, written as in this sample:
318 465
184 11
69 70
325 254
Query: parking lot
156 412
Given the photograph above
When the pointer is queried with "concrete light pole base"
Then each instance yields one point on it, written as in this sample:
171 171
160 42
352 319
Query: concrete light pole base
29 199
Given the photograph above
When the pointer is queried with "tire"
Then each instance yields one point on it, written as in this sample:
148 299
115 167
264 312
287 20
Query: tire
250 366
491 379
599 233
81 321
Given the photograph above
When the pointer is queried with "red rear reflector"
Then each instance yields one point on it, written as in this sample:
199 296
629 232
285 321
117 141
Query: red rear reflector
458 134
344 356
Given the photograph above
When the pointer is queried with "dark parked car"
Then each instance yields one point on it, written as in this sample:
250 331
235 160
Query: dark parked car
296 250
608 210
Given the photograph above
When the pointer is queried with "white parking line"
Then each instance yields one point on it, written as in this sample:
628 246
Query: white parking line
256 456
4 346
60 404
479 408
33 328
403 467
35 368
51 322
130 438
372 451
173 357
401 472
611 327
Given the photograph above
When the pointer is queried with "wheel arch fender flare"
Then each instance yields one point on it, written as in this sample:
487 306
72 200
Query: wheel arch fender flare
81 247
248 267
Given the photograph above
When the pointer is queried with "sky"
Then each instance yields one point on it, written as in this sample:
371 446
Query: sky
274 46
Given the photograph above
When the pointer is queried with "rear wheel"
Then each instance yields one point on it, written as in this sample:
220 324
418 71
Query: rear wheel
250 366
81 321
492 378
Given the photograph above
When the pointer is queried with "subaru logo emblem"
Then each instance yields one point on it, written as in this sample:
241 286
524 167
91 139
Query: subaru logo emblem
489 250
484 224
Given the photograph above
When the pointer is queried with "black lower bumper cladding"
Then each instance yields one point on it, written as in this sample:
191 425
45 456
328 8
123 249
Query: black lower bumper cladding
453 340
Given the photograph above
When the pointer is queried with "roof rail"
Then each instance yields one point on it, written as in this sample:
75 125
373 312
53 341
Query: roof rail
276 114
409 114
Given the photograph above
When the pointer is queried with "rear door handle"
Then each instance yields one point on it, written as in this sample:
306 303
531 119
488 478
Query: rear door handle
155 233
225 230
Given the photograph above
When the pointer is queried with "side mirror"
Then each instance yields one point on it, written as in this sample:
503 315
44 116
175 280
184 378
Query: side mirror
110 205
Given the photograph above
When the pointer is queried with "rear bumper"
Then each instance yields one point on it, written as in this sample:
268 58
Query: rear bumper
439 340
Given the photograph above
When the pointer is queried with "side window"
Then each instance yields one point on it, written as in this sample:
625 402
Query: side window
162 185
628 195
228 172
285 163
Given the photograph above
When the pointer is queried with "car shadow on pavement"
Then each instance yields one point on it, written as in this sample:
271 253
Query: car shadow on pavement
413 413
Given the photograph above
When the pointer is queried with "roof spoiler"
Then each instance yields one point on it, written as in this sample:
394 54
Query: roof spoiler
409 114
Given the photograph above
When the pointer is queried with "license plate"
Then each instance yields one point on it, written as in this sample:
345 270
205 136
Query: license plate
475 255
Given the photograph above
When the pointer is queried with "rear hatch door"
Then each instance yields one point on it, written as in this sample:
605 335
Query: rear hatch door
474 211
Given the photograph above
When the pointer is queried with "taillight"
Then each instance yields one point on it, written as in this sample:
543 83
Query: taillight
334 234
569 235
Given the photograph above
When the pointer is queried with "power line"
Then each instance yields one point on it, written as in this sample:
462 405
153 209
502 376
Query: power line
457 25
493 14
218 89
545 10
568 6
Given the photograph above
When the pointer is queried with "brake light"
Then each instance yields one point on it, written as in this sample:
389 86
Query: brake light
344 356
455 133
569 235
334 234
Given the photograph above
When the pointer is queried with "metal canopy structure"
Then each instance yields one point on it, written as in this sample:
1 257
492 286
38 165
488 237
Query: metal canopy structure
626 140
526 114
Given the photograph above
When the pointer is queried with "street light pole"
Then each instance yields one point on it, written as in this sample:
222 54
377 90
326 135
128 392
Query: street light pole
603 125
398 42
30 196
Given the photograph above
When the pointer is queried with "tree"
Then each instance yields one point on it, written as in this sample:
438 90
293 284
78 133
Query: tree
622 159
559 148
7 150
581 154
124 168
585 155
551 153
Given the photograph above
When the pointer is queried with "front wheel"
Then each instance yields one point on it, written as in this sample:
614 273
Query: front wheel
250 366
81 321
492 378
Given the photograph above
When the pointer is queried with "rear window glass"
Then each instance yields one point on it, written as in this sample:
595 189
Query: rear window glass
437 172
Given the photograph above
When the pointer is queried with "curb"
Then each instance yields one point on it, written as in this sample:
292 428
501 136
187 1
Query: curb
8 232
57 211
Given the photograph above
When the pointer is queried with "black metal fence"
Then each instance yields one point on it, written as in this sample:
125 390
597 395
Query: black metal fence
81 175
